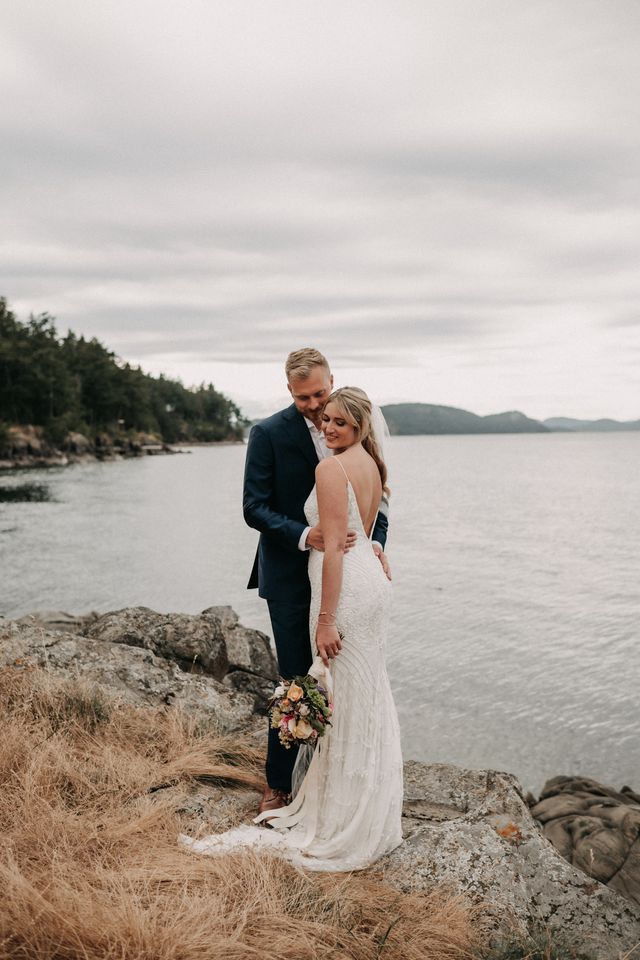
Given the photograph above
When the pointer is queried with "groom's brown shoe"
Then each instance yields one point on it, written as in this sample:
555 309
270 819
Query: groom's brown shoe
273 799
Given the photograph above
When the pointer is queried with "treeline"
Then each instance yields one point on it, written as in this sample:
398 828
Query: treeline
69 383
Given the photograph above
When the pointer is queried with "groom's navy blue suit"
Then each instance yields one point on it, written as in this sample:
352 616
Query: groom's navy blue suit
279 476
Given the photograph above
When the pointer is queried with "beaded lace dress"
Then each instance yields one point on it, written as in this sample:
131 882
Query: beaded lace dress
346 813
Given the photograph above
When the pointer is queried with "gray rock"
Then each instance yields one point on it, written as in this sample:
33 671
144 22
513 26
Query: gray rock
258 688
77 443
473 831
248 650
213 642
596 828
252 665
196 643
134 673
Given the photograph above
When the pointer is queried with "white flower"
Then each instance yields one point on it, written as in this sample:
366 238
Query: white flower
303 710
279 690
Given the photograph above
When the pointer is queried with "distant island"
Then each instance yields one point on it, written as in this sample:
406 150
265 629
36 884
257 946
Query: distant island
600 426
412 419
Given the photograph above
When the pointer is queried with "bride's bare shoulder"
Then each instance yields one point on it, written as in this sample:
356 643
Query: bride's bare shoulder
329 468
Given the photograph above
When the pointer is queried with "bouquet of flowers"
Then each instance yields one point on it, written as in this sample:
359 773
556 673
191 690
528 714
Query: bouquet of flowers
300 709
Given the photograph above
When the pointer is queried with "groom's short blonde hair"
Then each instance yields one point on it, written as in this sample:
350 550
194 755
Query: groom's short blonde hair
300 363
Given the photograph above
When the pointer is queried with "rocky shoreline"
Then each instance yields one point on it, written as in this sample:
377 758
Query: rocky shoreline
27 447
568 861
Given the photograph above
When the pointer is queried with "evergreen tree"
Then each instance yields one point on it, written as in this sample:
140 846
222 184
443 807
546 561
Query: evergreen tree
78 384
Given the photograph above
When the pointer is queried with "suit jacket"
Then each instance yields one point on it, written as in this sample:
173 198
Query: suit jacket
279 476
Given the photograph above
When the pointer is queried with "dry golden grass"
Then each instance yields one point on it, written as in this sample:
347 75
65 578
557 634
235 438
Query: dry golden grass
90 867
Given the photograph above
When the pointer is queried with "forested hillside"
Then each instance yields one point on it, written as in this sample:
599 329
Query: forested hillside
69 383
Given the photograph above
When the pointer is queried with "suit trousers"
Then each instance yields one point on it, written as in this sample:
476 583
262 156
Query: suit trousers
290 624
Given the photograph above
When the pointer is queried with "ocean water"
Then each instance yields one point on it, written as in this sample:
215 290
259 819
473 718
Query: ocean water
516 561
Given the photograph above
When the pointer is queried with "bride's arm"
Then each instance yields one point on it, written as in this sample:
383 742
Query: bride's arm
333 507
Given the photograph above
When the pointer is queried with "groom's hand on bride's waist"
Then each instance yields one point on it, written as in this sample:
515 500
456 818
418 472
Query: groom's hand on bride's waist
382 557
315 540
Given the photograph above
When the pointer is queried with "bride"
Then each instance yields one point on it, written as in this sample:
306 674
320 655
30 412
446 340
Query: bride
347 808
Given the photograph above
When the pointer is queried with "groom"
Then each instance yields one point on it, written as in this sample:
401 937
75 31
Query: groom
282 456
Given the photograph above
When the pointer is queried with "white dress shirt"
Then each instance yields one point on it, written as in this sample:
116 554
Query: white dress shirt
323 451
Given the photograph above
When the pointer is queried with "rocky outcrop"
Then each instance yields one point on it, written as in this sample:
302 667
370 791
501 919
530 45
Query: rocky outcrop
151 658
77 444
196 644
133 673
467 829
472 829
252 666
595 828
28 446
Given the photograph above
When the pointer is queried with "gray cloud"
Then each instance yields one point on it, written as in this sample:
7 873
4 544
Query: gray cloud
454 185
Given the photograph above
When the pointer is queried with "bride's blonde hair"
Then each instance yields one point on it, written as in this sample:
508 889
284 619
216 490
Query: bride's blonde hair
355 407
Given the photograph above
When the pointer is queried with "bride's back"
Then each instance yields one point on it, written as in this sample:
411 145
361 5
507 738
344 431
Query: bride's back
364 476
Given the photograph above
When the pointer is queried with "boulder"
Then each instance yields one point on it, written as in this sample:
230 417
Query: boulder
27 440
195 643
252 666
213 642
77 443
134 673
472 830
248 650
26 446
596 828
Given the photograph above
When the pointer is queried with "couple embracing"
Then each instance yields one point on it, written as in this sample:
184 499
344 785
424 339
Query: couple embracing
315 487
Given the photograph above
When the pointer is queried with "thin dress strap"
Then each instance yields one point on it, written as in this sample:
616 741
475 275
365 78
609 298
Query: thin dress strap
342 468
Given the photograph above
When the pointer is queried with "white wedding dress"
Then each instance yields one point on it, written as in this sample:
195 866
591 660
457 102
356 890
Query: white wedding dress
347 811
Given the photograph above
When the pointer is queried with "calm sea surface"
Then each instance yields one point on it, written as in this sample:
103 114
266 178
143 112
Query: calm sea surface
516 561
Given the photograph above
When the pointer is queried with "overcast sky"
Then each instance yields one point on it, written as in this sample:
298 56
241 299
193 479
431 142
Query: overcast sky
444 197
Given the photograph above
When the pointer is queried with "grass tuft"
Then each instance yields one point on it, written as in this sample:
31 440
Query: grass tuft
539 945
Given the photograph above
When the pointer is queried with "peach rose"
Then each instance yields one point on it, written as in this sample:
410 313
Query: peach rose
303 730
295 692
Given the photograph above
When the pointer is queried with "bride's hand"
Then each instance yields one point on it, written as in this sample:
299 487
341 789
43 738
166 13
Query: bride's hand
328 642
